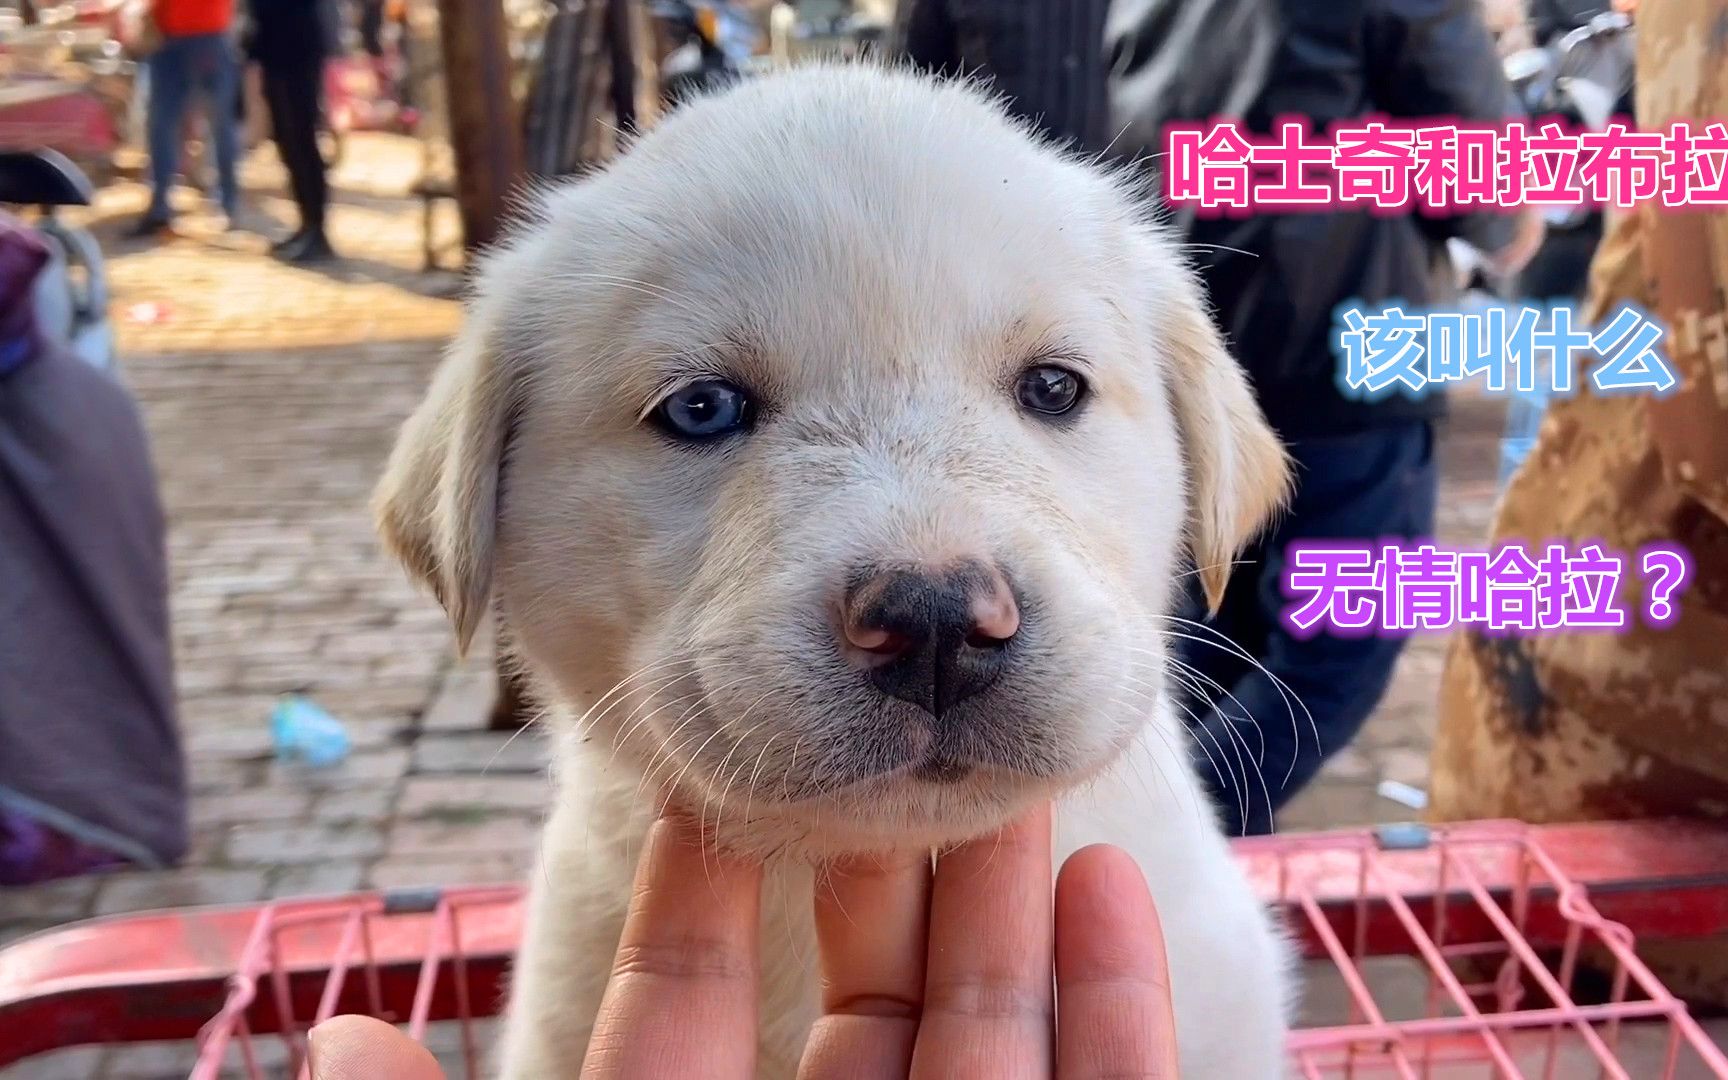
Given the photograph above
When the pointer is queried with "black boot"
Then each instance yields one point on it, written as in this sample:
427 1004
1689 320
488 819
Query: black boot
311 247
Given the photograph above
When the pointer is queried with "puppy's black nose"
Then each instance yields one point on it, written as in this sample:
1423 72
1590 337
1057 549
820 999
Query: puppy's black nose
931 638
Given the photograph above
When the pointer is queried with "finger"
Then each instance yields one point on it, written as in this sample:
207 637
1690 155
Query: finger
1114 1016
362 1048
681 1000
870 926
988 1007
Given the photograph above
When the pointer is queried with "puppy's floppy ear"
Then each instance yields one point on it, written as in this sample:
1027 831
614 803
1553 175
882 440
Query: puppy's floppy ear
1238 472
437 505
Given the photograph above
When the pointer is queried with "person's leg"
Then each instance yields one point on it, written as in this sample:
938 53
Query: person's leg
1306 700
293 93
402 81
222 90
372 28
309 92
169 88
279 102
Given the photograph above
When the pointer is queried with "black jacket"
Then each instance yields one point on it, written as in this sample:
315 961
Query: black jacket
1276 280
292 33
1046 57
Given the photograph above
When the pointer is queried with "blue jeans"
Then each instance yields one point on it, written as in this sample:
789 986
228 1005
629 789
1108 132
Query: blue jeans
202 65
1303 701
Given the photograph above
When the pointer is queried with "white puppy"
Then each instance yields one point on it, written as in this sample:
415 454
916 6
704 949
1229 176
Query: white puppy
831 458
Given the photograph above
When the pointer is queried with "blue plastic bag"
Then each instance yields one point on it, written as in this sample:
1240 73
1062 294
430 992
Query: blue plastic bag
305 733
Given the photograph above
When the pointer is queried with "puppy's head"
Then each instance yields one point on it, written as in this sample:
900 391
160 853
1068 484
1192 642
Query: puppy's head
834 455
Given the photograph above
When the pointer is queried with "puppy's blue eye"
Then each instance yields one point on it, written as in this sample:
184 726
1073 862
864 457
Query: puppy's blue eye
1049 389
709 409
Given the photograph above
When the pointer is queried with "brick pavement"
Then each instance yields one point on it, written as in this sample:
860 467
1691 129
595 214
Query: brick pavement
272 395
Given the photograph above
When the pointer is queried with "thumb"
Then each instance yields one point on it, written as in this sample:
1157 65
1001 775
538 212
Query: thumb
361 1048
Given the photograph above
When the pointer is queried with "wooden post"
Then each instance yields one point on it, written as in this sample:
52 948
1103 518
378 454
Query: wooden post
485 139
486 144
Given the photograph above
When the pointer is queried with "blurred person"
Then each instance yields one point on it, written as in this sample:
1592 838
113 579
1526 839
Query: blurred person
375 19
1268 708
191 59
371 26
1046 57
1586 726
1550 19
291 40
1509 22
91 773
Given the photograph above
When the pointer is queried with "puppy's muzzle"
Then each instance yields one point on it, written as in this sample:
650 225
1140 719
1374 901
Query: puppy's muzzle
932 638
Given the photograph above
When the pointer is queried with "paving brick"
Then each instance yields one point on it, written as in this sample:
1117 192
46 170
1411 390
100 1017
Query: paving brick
1349 765
360 804
473 830
268 845
374 732
431 795
248 712
75 1063
56 901
243 807
482 752
365 769
319 879
12 930
151 1061
1405 765
399 701
1324 806
247 743
209 846
179 888
464 701
419 871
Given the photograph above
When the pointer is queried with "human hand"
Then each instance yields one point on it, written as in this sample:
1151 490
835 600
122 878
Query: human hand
950 974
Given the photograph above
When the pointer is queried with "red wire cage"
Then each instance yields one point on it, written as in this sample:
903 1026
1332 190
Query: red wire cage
1481 950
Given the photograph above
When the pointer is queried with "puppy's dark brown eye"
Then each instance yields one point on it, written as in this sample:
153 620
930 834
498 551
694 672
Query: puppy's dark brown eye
1050 390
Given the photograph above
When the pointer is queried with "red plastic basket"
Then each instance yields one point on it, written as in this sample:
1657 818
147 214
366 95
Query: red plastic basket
1456 952
1497 936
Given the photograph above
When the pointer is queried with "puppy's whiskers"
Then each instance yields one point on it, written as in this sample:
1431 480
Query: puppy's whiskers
750 785
1198 683
1291 699
1238 744
726 784
636 719
665 751
1226 775
588 718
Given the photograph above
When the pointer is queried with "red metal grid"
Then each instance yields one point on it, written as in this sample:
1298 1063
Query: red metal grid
1499 923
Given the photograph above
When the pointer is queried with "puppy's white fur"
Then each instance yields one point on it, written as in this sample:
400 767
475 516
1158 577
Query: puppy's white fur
876 257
